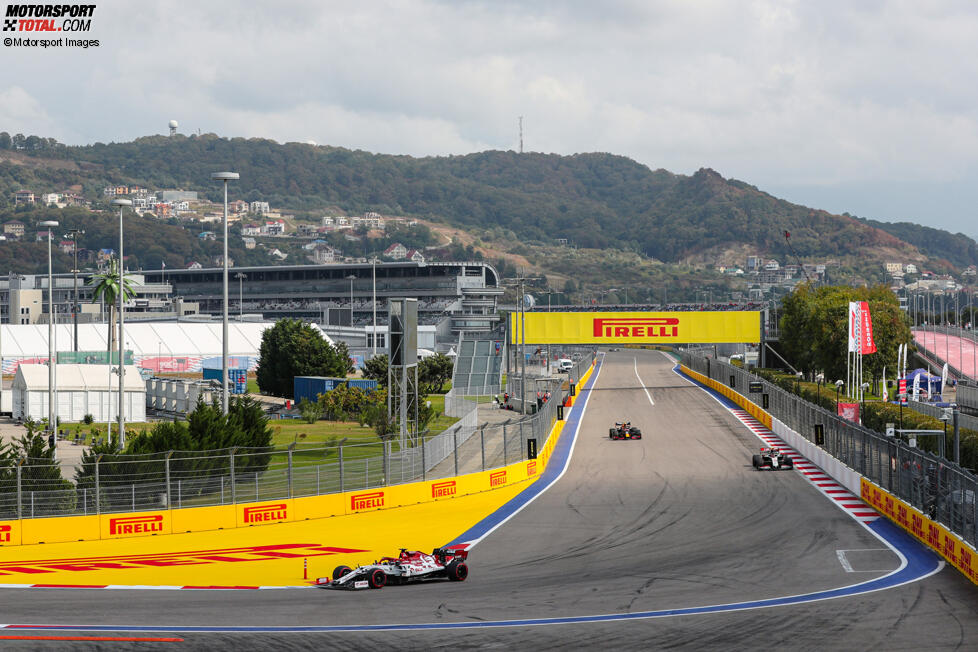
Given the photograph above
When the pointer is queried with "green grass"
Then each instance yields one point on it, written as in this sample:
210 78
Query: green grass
252 386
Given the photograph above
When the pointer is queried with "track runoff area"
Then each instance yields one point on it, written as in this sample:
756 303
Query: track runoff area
614 537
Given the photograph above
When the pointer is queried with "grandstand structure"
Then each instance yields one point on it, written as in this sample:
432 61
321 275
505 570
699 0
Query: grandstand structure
464 292
478 366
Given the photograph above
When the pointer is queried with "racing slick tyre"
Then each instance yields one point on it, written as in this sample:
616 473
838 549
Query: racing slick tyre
636 433
758 462
457 571
788 464
612 432
377 579
340 571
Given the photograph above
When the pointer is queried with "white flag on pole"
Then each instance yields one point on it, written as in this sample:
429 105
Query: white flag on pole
916 388
944 379
886 395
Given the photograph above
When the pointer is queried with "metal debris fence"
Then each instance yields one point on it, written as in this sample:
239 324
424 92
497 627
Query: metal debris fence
934 485
32 488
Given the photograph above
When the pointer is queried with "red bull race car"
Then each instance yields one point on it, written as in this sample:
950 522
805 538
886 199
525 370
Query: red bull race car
624 430
408 567
774 459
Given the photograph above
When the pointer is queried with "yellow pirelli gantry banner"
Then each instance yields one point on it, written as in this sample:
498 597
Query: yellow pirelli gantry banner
620 328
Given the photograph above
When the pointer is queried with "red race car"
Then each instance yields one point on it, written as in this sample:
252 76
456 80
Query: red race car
408 567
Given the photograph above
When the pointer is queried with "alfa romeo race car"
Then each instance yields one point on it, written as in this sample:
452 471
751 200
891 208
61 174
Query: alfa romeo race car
624 430
774 459
408 567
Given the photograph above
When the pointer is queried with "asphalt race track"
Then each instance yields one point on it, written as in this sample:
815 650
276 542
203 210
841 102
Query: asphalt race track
677 519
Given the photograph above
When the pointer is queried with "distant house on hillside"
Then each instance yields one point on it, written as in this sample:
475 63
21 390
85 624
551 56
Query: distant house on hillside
250 229
249 243
23 197
207 235
195 265
910 268
42 236
415 256
323 254
396 251
14 228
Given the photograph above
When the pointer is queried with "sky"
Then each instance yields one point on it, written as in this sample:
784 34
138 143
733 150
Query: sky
866 107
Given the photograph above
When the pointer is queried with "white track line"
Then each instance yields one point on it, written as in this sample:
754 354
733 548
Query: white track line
642 383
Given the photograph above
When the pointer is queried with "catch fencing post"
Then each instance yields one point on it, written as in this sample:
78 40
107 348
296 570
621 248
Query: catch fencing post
98 492
234 494
291 448
424 465
505 462
166 460
482 445
20 500
455 441
387 462
341 467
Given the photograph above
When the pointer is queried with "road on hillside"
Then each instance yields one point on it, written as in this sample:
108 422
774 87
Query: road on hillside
677 519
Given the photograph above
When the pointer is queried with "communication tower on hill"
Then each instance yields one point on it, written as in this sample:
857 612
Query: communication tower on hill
521 134
173 127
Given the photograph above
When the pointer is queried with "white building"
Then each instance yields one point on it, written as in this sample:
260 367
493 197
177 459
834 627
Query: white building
259 207
82 389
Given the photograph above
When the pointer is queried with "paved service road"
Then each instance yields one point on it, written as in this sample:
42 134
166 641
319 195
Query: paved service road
677 519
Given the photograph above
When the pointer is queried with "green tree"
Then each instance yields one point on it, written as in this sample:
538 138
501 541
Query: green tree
293 348
814 329
107 288
434 371
41 475
376 369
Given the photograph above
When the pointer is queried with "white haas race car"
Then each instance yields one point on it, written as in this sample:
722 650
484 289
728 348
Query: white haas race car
774 459
408 567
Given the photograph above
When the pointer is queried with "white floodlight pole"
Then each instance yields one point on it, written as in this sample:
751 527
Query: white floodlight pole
373 264
225 177
121 203
52 347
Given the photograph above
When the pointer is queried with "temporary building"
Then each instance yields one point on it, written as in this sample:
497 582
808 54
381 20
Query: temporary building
159 346
81 389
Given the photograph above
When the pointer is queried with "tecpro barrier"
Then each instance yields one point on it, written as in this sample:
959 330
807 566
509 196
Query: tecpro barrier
950 546
271 512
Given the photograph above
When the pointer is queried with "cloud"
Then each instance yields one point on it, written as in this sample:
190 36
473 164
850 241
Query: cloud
778 93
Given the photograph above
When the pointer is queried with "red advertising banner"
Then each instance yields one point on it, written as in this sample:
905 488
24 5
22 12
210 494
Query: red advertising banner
867 345
902 390
849 411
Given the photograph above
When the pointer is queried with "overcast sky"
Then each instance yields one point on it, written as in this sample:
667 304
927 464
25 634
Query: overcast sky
866 107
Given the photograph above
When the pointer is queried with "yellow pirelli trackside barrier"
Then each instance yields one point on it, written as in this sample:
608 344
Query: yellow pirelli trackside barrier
624 328
934 535
752 408
271 512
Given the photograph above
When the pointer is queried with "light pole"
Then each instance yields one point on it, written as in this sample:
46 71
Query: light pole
838 388
73 234
52 350
373 269
225 177
351 278
121 203
240 276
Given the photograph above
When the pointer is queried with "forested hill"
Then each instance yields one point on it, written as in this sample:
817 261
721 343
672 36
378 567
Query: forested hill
956 248
593 200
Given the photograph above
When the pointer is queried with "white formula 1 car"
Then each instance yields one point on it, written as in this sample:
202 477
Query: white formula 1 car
408 567
774 459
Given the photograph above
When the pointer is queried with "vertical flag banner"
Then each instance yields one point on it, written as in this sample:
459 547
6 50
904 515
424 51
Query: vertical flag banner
944 378
853 325
886 394
866 344
916 388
